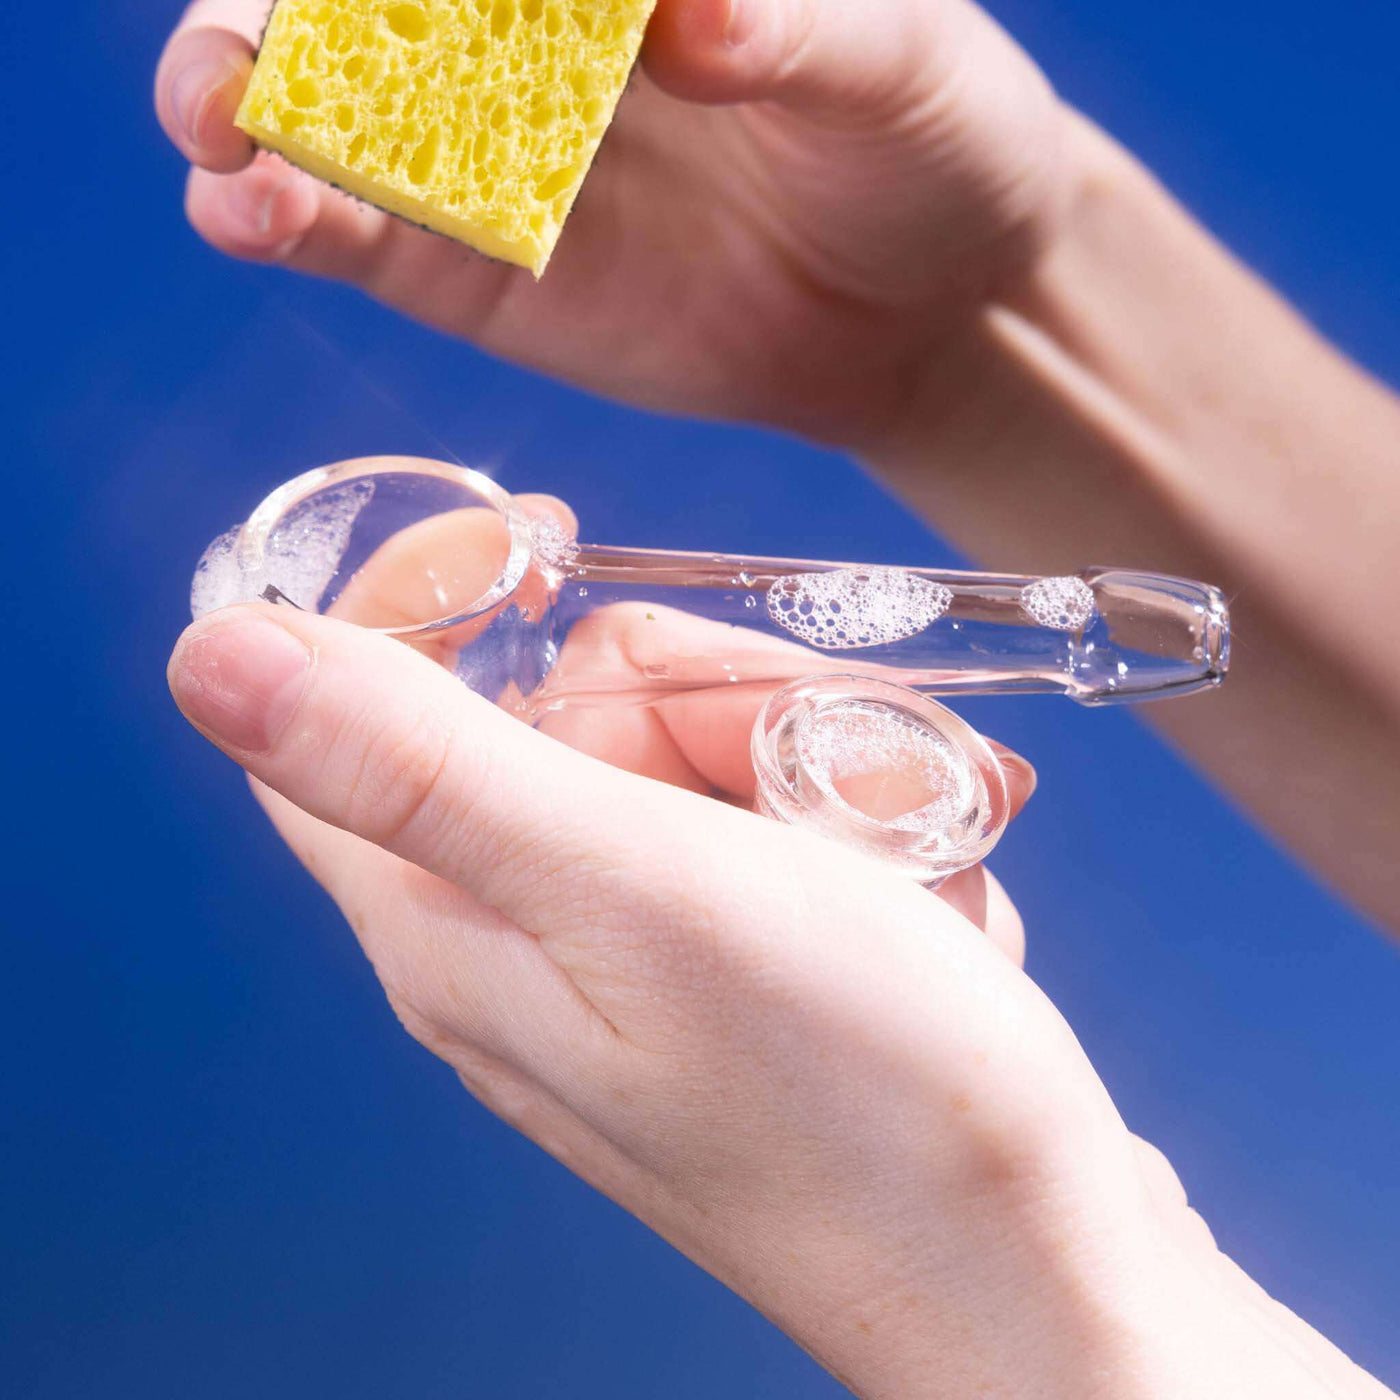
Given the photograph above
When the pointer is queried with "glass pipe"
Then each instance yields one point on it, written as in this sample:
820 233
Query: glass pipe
722 648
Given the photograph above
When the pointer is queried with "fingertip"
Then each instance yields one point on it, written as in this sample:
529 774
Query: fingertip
177 667
259 214
199 84
238 676
537 504
699 50
966 892
1004 924
1021 779
980 898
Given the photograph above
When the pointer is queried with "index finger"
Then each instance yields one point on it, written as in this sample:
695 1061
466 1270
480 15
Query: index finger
201 79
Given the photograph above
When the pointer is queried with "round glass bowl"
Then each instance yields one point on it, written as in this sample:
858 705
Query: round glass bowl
402 545
882 768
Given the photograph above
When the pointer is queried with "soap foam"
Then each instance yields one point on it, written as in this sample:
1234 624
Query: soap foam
848 608
301 558
555 551
839 744
1064 604
216 581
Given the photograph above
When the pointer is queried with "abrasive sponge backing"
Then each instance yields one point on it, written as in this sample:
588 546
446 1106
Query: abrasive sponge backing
476 118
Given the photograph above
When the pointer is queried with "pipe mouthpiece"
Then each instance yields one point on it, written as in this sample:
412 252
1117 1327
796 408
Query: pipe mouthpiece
1153 636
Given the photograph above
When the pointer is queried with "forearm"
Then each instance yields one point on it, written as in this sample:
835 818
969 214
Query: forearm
1143 399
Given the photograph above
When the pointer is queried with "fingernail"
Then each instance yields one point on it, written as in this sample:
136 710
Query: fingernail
240 681
1017 769
738 28
250 203
192 94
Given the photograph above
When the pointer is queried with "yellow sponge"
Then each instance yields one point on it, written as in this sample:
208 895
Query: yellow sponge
476 118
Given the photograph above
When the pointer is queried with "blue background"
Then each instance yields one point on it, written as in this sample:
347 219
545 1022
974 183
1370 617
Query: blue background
226 1173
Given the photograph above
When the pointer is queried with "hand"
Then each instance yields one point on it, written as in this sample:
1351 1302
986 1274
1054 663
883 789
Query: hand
785 220
820 1081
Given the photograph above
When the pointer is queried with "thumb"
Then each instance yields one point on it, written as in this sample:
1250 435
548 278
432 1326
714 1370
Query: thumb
838 58
919 148
362 733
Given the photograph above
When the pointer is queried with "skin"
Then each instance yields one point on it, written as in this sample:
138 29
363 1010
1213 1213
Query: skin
946 271
662 1000
950 273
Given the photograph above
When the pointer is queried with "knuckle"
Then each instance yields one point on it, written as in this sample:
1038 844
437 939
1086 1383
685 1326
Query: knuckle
398 780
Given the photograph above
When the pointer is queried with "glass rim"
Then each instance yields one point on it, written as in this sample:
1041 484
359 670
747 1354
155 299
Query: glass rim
258 528
915 850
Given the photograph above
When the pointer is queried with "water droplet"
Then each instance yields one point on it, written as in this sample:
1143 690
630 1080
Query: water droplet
582 591
746 580
750 601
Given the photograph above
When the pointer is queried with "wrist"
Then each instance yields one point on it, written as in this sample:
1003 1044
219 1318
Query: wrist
1155 1313
1041 1269
1025 405
1065 1306
930 336
1142 397
1051 1255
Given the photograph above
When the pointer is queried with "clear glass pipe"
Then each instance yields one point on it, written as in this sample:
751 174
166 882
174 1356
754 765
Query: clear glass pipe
497 589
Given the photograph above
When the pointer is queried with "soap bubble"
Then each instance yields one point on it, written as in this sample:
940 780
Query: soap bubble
299 560
554 549
848 608
1064 604
867 757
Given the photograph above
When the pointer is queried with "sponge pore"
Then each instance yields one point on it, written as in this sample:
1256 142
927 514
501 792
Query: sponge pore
477 118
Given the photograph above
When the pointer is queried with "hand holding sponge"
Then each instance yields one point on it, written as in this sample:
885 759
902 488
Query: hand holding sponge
478 119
